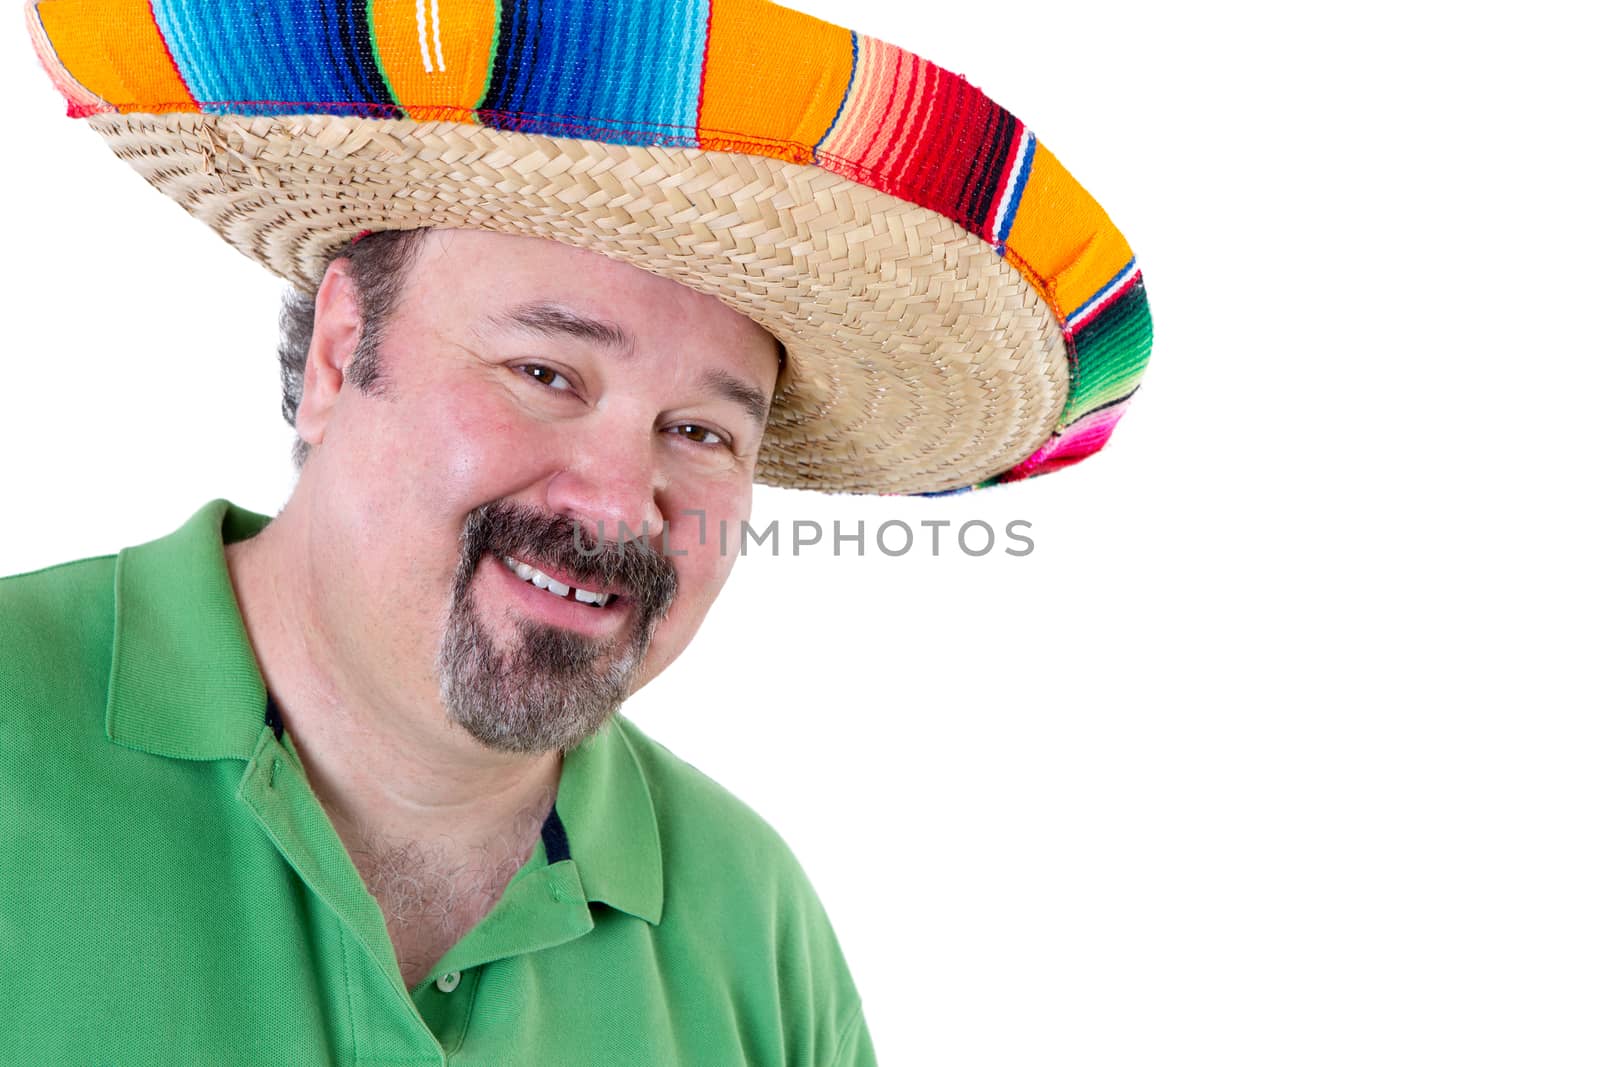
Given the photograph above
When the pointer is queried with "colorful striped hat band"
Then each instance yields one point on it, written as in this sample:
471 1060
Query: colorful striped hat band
956 309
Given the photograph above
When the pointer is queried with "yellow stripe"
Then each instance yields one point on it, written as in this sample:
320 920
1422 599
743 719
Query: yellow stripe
114 51
789 114
412 37
1063 236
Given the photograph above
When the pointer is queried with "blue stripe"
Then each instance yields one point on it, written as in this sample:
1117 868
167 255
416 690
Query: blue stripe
620 71
1016 197
855 55
244 57
1121 276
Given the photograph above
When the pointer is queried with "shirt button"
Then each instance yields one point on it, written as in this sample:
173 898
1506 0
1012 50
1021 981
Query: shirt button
448 981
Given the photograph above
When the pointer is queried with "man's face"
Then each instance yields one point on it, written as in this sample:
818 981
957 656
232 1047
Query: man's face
527 389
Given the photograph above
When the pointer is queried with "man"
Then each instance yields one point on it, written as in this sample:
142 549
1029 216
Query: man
350 785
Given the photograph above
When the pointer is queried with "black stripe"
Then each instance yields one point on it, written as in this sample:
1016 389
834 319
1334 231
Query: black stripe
506 91
1009 134
1129 306
274 718
978 164
1113 402
1003 129
357 34
555 839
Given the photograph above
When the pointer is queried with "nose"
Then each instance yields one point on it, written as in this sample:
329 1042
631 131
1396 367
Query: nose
609 483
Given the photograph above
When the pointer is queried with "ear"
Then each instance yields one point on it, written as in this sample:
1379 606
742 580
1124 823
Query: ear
333 342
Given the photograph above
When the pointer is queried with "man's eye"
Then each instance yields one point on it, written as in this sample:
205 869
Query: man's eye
700 435
546 376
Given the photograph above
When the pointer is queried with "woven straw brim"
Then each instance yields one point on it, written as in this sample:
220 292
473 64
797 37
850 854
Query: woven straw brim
919 360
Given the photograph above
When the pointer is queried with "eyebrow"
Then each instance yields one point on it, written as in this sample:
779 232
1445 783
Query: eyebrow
739 391
545 318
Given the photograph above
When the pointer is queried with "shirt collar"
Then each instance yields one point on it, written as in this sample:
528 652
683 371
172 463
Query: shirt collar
185 684
611 825
184 680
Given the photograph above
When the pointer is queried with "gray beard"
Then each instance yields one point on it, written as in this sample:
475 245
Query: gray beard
551 688
549 691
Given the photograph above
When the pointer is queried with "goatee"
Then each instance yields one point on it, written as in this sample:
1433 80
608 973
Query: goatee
551 688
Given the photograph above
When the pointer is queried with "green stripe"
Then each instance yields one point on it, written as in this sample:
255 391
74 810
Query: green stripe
377 59
1112 353
494 57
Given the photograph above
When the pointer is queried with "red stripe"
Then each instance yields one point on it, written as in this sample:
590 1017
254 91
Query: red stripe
973 159
909 161
1111 298
980 178
931 169
900 142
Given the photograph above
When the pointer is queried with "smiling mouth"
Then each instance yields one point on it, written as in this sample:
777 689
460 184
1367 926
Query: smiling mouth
536 577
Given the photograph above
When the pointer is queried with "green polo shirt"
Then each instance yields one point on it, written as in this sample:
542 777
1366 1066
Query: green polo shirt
171 890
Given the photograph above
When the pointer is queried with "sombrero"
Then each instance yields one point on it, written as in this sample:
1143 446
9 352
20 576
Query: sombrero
957 310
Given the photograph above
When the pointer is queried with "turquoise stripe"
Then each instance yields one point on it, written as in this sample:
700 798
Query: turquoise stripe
289 56
696 30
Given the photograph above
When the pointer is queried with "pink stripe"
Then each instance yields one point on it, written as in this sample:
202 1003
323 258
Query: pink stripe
1073 444
80 101
897 99
862 110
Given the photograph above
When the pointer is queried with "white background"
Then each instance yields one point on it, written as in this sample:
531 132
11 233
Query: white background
1281 747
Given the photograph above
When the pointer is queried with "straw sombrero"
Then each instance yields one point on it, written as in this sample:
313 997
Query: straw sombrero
957 310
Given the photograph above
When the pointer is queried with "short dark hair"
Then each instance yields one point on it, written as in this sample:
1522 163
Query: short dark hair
379 265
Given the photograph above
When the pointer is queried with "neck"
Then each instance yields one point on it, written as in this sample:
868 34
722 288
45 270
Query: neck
380 751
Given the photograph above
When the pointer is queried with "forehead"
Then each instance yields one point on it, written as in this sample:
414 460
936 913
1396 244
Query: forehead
487 277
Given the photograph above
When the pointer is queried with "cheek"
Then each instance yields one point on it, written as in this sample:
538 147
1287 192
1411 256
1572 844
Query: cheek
709 545
468 449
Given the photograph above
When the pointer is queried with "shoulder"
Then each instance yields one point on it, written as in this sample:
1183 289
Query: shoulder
725 867
731 881
52 620
703 824
56 628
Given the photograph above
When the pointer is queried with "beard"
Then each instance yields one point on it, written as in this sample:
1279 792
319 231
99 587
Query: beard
550 688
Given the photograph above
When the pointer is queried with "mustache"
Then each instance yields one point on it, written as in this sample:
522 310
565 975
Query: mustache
506 529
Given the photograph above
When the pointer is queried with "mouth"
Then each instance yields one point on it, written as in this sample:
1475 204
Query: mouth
596 599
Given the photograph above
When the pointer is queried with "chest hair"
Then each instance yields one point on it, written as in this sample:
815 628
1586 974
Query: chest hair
433 893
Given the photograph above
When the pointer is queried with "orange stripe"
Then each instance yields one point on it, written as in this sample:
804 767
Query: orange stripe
805 68
114 51
408 46
1064 236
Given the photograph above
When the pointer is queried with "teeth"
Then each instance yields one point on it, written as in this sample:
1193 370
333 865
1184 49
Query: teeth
544 581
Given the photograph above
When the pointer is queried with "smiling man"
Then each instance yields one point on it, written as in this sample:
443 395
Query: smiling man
453 513
350 784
